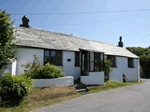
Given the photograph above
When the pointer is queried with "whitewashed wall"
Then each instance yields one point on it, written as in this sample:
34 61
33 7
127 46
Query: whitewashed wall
13 68
25 55
9 69
94 78
69 66
122 68
61 81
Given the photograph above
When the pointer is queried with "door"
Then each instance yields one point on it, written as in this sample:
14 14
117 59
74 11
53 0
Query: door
84 65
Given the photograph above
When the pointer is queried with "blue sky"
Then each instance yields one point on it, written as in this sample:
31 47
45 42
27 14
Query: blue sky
132 26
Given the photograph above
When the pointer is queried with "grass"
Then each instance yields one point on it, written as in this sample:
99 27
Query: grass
110 85
42 97
39 97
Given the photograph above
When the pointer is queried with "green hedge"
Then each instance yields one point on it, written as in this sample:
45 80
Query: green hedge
47 71
15 87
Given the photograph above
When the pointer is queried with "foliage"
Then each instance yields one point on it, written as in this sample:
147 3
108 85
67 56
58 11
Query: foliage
48 71
32 68
144 54
40 97
15 87
35 71
7 44
107 68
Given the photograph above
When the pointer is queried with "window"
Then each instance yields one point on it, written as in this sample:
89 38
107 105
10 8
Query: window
130 62
77 58
52 56
113 60
97 61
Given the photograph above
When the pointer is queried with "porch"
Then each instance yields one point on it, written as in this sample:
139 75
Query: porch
92 67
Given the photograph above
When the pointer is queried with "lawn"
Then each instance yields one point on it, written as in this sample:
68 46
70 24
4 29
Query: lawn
40 97
110 85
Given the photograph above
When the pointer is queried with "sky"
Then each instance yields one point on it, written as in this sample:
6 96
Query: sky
133 26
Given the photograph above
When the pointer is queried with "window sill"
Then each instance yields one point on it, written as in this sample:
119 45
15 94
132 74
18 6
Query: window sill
130 67
95 71
77 66
58 65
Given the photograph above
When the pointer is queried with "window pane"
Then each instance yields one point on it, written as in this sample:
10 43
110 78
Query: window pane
46 59
91 66
52 53
58 60
91 56
97 66
130 62
97 57
46 53
113 60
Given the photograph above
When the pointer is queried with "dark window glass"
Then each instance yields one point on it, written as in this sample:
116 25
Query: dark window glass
130 62
46 60
58 58
97 61
46 56
113 60
77 59
54 57
97 66
47 53
97 57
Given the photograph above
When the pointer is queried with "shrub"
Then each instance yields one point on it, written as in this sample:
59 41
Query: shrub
32 68
48 71
107 68
15 87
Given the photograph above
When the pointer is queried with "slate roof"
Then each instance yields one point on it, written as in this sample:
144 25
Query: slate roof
33 37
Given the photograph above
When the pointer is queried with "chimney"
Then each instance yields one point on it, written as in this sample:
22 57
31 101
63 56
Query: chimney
120 43
25 22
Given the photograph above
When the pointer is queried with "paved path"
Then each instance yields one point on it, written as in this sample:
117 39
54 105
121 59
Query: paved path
134 98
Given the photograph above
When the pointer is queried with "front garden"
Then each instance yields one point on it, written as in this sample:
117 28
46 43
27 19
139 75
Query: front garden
17 91
18 94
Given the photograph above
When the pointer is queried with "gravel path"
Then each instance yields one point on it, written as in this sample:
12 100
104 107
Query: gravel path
135 98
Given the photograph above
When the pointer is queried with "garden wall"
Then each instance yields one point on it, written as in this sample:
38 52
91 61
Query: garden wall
61 81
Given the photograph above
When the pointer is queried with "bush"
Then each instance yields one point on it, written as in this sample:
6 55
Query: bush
107 68
35 71
32 68
48 71
15 87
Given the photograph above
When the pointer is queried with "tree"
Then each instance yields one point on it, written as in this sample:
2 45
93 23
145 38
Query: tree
144 54
7 39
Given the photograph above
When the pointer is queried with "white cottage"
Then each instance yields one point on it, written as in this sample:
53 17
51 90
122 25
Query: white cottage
76 56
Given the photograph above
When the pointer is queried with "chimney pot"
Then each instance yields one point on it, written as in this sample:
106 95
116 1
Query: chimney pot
120 43
25 21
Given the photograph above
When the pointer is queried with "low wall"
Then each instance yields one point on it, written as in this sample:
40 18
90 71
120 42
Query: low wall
94 78
61 81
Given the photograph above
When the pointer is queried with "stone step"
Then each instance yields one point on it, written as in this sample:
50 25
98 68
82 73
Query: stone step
79 90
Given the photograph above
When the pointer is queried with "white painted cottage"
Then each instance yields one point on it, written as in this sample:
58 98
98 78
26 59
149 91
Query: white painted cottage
76 56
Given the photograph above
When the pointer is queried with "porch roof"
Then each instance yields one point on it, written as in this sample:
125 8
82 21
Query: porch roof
37 38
